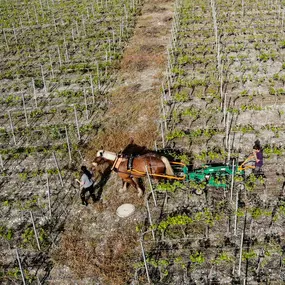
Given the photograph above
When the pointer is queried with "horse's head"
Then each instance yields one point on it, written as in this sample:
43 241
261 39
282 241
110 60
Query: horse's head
100 153
108 155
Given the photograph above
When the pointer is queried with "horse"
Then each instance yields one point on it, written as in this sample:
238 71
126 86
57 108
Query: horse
131 168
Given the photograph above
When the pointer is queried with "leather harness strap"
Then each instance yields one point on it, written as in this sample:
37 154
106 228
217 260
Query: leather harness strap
117 163
130 163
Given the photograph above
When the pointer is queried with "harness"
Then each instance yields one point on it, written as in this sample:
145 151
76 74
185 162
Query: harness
130 163
117 163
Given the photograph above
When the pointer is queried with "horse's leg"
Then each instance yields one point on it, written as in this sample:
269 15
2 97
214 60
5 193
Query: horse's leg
136 181
124 188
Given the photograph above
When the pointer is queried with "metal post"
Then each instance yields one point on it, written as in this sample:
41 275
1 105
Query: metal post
1 161
49 200
232 181
85 101
68 144
76 121
43 77
59 57
144 260
35 94
164 114
150 184
92 89
162 135
24 107
235 226
35 231
20 267
240 254
12 127
155 146
59 174
150 220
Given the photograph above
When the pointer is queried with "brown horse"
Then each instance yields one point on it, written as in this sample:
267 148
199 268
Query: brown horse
131 168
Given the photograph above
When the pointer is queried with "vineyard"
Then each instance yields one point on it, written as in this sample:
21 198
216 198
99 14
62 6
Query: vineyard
58 60
223 89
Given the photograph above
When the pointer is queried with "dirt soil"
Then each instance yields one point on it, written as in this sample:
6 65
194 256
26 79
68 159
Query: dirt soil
95 246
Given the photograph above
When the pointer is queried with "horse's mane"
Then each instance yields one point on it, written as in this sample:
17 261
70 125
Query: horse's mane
134 149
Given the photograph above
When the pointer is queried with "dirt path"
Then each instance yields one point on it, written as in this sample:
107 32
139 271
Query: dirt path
134 101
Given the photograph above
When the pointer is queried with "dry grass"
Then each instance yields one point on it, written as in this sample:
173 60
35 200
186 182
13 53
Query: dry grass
109 258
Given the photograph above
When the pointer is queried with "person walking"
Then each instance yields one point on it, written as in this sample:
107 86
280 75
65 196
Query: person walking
258 156
86 184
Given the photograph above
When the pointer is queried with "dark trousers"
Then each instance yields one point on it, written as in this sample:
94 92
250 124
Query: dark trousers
83 192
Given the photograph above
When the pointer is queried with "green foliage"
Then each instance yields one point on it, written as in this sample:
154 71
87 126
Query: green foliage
170 186
249 255
175 134
197 257
223 258
6 233
264 57
181 96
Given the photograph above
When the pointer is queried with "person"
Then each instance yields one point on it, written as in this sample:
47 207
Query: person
86 184
258 156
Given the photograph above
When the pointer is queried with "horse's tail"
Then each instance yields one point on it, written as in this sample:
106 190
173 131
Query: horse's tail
169 170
